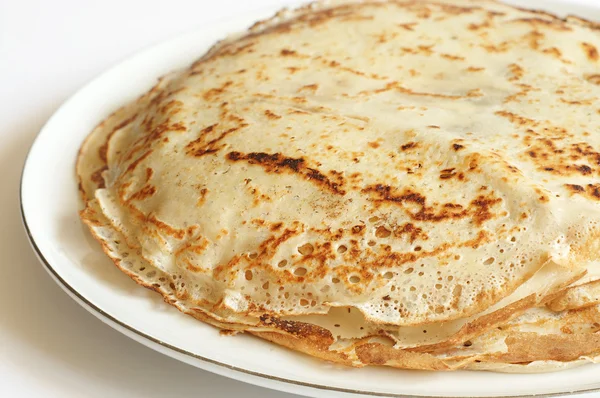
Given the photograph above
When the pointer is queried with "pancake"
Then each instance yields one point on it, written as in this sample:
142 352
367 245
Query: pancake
417 172
541 339
580 296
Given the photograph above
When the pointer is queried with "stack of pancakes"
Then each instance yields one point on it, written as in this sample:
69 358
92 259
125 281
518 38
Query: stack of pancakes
404 183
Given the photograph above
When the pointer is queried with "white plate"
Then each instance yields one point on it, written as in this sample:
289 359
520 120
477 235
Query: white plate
50 202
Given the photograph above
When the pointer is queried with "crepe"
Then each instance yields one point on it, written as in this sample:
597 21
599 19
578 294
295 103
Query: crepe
417 174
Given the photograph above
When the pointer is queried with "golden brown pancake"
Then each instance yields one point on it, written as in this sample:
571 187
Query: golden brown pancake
419 174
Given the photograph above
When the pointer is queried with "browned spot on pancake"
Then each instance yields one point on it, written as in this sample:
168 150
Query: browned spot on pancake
517 119
357 18
534 39
191 229
588 101
367 264
524 90
164 94
286 53
380 354
408 145
192 267
455 9
156 133
166 228
554 24
313 18
197 248
171 107
551 150
543 197
236 48
276 226
374 144
346 12
298 112
351 275
407 26
421 49
203 145
339 66
271 115
584 169
551 156
591 191
479 210
516 72
213 93
265 252
422 12
475 69
496 48
149 173
553 51
575 188
479 26
136 162
457 147
299 100
449 173
144 193
258 197
413 232
594 79
97 178
452 57
298 329
309 87
278 163
103 150
177 127
590 51
202 197
358 229
385 37
395 86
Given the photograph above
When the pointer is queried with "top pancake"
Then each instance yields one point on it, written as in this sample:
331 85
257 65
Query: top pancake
418 161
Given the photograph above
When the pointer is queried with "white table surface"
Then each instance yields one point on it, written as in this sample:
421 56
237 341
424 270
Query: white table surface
49 345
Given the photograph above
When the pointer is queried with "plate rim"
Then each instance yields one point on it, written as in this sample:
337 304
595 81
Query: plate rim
212 365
